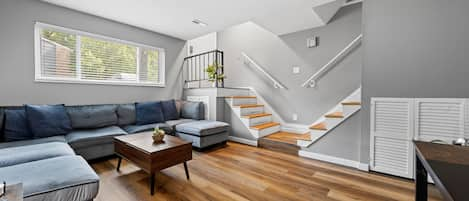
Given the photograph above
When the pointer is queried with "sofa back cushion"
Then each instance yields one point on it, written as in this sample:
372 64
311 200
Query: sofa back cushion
16 125
48 120
193 110
92 116
169 110
2 123
126 114
149 113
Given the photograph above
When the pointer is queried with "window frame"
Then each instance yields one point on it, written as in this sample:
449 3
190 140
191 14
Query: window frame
39 26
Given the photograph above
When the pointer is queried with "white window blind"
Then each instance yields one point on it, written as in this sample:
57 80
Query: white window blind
71 56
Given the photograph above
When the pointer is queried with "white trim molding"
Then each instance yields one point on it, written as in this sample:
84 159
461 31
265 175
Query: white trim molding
334 160
243 141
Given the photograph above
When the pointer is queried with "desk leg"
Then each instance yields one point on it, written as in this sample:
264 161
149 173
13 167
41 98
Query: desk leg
152 183
421 192
187 170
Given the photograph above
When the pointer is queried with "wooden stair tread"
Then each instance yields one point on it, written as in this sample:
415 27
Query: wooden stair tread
320 126
351 103
249 106
264 126
241 97
335 115
251 116
287 137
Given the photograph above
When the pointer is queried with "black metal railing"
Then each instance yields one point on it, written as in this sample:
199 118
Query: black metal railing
204 70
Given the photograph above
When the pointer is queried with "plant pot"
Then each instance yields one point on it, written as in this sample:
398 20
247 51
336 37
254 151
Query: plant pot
158 138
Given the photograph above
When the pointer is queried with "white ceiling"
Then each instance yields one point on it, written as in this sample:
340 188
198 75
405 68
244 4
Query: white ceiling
174 17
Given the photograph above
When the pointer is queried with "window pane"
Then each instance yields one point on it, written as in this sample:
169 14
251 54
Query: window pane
73 56
149 67
58 54
105 60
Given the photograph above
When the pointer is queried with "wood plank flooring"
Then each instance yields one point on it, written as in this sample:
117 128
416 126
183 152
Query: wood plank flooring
240 172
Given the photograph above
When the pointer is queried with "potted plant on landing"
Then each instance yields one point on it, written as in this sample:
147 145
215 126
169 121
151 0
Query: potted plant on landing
214 74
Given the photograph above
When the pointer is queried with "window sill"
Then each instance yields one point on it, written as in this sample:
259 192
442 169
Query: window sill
98 82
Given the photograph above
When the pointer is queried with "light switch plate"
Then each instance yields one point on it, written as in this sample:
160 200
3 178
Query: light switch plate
312 42
296 69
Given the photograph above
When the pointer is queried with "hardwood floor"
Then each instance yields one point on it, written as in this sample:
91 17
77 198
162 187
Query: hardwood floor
240 172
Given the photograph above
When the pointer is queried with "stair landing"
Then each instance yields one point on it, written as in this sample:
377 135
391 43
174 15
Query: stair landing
283 142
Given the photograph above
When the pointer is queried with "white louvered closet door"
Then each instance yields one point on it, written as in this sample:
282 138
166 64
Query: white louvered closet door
439 119
391 127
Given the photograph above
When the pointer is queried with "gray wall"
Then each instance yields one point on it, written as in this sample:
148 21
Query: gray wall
17 86
415 48
279 54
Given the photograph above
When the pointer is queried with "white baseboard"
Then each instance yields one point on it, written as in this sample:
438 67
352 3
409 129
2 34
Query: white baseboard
335 160
243 141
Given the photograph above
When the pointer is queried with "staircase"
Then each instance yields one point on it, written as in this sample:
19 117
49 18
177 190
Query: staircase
262 126
253 115
333 118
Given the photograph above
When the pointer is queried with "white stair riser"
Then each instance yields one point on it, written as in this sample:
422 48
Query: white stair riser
243 101
331 122
258 120
316 133
265 132
251 110
350 109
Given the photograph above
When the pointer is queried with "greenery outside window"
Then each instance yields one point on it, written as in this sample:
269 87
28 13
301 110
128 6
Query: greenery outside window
71 56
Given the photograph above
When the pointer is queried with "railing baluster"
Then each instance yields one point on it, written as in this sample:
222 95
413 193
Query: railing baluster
196 66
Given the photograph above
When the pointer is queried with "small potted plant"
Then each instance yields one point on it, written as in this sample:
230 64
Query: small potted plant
158 135
214 73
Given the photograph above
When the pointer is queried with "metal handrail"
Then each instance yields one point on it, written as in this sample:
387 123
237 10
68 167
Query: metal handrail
311 82
276 83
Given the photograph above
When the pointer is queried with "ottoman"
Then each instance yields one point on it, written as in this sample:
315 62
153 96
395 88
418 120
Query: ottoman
203 133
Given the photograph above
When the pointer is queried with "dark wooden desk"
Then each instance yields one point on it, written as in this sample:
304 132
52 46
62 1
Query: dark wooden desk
448 165
151 157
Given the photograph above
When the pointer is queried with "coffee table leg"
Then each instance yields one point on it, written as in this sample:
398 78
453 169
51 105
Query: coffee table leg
119 163
421 191
152 183
187 170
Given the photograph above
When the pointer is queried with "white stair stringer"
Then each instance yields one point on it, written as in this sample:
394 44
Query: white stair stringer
346 108
248 105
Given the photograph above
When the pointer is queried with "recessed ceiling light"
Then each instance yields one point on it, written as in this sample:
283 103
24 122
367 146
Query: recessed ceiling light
199 22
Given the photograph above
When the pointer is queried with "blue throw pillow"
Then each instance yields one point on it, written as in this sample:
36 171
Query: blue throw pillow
16 126
169 110
48 120
149 113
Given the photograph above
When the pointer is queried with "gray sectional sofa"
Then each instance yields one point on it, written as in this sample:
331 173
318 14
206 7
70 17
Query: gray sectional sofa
54 167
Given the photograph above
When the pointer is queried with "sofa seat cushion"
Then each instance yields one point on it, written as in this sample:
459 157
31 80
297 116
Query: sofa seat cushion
65 178
91 137
148 127
59 138
23 154
202 128
204 141
174 123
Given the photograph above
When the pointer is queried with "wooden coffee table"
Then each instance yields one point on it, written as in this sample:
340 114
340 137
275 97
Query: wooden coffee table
153 157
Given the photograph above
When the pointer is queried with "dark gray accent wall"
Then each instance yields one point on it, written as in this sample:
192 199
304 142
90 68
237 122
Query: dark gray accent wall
17 86
279 54
415 48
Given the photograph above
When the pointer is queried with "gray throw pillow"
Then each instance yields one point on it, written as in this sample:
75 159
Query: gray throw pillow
92 116
126 114
193 110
